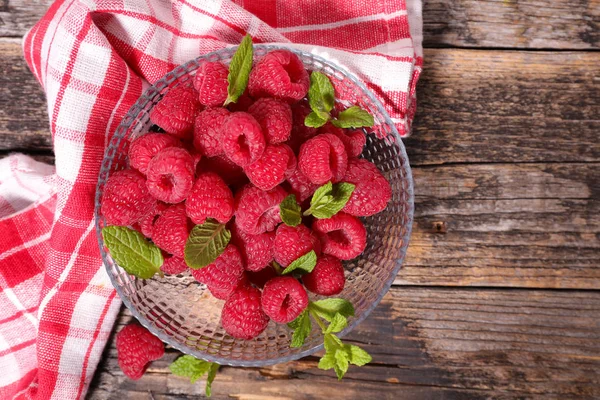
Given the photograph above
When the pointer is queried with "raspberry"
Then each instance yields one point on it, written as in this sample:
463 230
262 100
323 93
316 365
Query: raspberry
175 112
211 83
147 223
327 278
256 250
301 186
283 299
126 199
354 139
277 162
300 132
231 173
259 278
171 175
147 146
136 347
242 316
225 272
218 293
274 117
293 242
372 191
171 230
173 265
342 236
210 198
207 131
323 158
257 211
242 138
242 104
279 74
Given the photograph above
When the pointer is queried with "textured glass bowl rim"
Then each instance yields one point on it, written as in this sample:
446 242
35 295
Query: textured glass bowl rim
132 114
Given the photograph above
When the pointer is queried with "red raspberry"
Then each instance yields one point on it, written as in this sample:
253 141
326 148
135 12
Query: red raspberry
176 111
242 316
136 347
225 272
218 293
354 139
173 265
277 162
342 236
257 211
260 278
327 278
323 158
126 199
210 198
257 250
211 83
372 191
171 175
279 74
283 299
231 173
292 243
171 230
301 186
146 224
242 138
147 146
274 117
242 104
300 132
207 131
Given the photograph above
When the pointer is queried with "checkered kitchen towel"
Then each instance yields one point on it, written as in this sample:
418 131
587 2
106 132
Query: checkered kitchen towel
94 59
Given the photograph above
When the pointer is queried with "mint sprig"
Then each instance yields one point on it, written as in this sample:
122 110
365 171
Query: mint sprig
194 368
132 251
205 243
239 70
354 117
337 355
329 199
290 212
304 263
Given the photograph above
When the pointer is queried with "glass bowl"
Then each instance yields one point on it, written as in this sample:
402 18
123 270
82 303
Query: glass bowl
182 312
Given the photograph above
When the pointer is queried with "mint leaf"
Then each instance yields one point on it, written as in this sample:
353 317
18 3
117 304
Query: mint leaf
302 327
354 117
357 355
327 308
212 372
331 343
329 199
290 211
205 243
327 361
239 70
341 363
321 96
132 251
190 367
316 120
305 263
337 324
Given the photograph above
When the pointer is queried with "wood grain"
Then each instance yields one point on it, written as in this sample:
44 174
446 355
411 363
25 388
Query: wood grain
426 344
16 17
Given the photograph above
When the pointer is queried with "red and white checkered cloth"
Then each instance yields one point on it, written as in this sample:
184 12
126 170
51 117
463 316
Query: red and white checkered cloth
94 59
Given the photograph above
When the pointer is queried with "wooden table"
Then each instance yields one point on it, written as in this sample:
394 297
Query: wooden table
499 296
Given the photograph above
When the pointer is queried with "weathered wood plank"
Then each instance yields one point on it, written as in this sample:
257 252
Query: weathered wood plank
426 343
16 17
518 225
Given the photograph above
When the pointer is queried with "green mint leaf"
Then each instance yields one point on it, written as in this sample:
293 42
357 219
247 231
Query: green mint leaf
341 363
239 70
327 308
337 324
132 251
354 117
190 367
290 211
321 96
316 120
305 263
332 343
357 355
205 243
327 361
212 372
302 327
329 199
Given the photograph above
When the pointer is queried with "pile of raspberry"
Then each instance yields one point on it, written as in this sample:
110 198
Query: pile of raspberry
235 165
